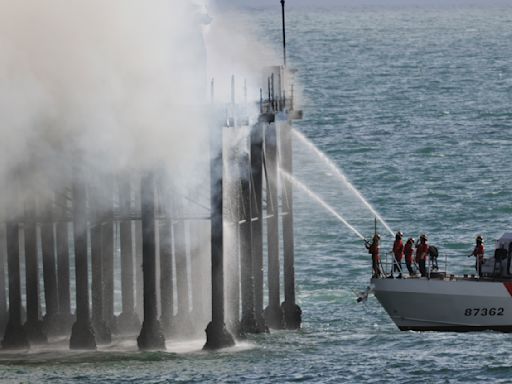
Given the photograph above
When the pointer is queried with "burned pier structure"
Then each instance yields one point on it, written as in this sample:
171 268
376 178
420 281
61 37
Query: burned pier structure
131 254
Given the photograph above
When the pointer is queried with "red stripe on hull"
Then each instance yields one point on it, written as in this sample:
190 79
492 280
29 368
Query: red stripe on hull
508 285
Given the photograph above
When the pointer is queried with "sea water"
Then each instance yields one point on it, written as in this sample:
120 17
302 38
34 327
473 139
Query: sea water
415 104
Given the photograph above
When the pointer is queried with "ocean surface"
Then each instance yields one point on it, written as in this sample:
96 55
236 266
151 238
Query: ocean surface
415 105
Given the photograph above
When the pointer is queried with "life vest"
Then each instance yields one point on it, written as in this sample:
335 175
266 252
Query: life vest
408 251
374 250
422 251
479 251
398 249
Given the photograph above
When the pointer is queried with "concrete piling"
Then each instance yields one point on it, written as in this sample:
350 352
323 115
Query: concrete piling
102 331
273 312
166 258
217 336
33 325
150 337
63 274
107 252
232 236
180 257
51 322
248 321
257 221
139 273
166 278
15 336
292 312
127 322
199 269
82 334
3 297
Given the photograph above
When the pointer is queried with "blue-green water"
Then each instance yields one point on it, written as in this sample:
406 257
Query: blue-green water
416 106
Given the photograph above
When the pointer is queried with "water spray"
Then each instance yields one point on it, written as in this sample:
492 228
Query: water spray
341 177
321 202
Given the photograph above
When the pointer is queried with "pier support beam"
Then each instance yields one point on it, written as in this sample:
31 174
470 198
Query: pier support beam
166 282
248 321
273 312
180 257
51 321
292 312
33 325
15 336
107 253
257 221
217 336
63 275
101 330
151 337
128 321
200 269
82 334
139 273
166 262
232 237
3 297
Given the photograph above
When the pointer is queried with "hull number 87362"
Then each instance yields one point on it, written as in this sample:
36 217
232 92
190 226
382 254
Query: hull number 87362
484 311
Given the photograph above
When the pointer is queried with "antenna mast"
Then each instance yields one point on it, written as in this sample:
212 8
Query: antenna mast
284 31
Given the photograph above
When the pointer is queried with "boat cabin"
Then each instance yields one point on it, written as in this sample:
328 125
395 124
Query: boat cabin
499 264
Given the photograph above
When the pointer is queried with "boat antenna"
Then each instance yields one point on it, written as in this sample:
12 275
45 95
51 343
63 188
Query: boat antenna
284 31
375 227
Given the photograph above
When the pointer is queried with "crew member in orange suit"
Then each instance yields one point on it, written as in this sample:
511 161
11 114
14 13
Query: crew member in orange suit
422 251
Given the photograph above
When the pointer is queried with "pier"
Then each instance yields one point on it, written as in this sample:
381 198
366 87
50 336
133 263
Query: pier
151 262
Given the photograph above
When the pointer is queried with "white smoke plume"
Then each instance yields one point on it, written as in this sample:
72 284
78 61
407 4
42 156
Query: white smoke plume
122 83
118 87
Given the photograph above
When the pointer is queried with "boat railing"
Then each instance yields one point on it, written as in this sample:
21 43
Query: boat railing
432 266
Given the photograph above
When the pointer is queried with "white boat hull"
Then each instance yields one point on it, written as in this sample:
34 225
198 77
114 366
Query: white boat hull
458 305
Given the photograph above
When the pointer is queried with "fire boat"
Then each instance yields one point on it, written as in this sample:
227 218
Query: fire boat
445 302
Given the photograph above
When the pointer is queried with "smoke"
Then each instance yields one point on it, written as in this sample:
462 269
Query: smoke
98 89
119 85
